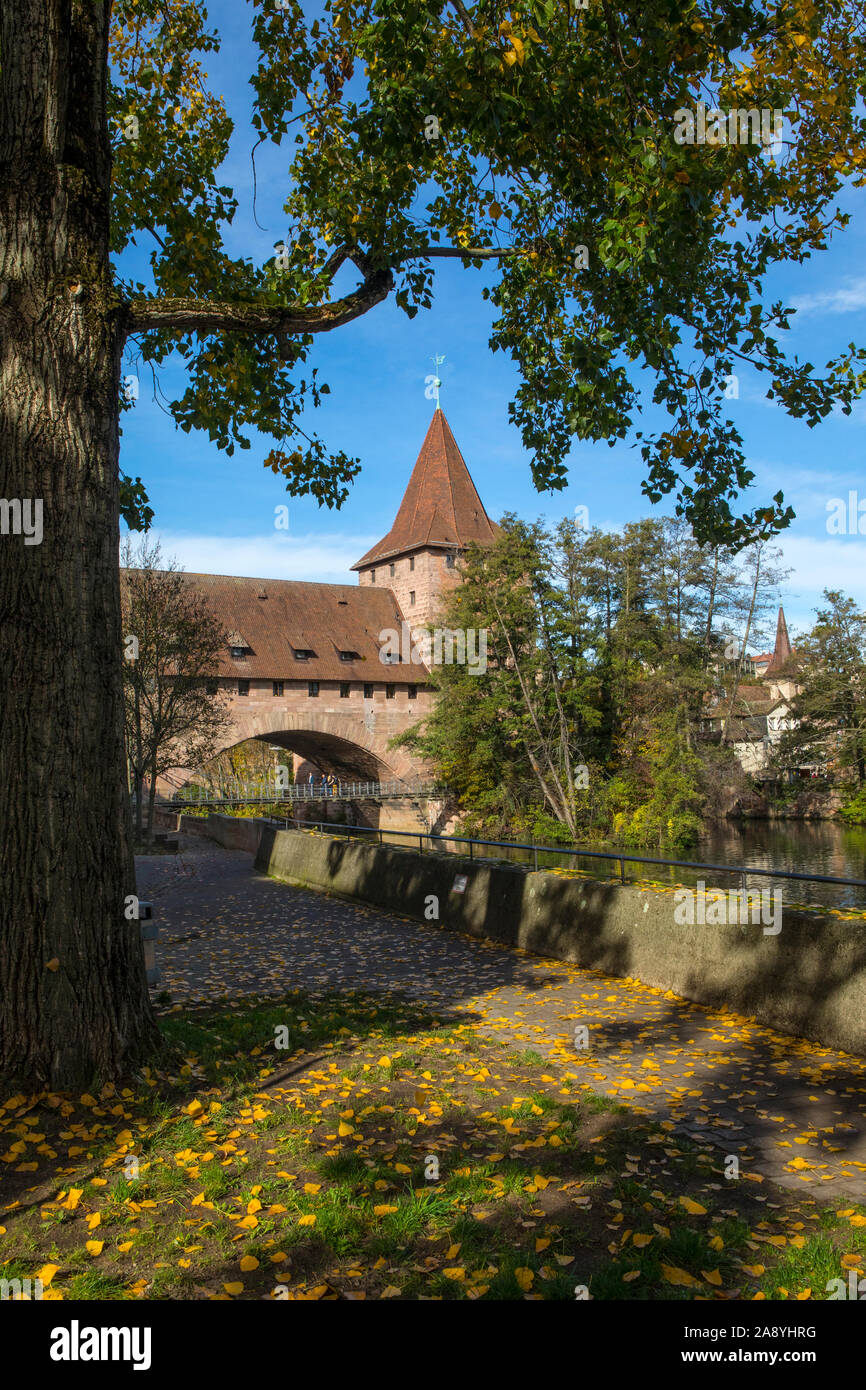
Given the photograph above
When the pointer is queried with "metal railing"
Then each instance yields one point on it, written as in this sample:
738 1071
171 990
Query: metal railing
259 794
619 856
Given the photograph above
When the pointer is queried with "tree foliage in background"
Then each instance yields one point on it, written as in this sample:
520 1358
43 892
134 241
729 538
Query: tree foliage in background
174 712
830 708
602 650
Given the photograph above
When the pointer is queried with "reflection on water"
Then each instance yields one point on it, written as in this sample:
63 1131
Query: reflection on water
805 847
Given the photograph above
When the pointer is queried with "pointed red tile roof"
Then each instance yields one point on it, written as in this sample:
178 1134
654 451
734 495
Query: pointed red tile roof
441 507
783 651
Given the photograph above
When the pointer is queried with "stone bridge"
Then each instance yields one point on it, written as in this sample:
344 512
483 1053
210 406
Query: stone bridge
347 739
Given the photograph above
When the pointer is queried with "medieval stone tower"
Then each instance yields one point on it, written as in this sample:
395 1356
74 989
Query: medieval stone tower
441 513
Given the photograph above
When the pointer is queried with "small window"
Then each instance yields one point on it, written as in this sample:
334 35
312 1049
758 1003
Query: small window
312 687
393 569
372 576
368 692
449 562
413 692
390 691
412 596
411 562
278 687
243 687
303 653
345 689
238 653
349 656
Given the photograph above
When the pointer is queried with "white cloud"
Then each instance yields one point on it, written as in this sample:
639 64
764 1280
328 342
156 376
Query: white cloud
837 562
327 558
845 300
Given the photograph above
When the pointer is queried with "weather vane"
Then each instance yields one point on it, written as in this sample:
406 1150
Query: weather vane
436 383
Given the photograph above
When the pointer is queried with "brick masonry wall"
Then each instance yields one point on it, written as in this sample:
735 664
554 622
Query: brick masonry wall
429 580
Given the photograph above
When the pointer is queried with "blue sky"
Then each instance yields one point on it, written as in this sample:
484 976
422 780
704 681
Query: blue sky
216 514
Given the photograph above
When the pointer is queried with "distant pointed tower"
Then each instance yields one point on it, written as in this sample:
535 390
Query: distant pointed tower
780 674
783 651
441 513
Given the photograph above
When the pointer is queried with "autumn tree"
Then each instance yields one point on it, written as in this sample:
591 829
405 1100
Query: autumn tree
174 712
829 709
535 139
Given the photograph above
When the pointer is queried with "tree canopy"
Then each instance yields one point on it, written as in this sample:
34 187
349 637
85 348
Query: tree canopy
539 136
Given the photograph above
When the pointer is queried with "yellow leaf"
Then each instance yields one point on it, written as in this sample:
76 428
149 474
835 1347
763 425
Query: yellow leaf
307 1220
693 1208
851 1261
236 1286
525 1278
278 1257
248 1262
125 1247
632 1274
343 1129
46 1274
712 1276
452 1252
194 1108
73 1199
640 1240
541 1243
755 1270
456 1273
401 1168
673 1275
53 964
803 1295
94 1247
384 1062
253 1205
383 1210
93 1220
312 1187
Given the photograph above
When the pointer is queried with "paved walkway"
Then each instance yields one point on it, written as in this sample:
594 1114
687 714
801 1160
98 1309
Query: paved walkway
790 1110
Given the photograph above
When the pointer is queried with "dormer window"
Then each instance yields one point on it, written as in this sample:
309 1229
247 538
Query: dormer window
238 653
303 653
349 656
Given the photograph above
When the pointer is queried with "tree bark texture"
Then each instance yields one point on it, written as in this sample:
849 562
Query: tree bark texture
74 1002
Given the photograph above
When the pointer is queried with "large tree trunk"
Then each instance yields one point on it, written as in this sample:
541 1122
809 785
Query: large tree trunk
74 1003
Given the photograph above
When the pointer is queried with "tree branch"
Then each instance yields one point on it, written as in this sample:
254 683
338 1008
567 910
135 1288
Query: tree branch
189 315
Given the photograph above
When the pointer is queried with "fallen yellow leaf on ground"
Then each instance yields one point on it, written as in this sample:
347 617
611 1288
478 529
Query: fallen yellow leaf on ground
693 1208
673 1275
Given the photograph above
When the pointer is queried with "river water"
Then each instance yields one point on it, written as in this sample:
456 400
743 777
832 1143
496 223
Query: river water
805 847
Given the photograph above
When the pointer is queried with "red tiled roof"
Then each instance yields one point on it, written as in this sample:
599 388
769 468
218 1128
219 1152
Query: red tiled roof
295 615
441 507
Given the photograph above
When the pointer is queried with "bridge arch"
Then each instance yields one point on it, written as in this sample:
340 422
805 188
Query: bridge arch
348 746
